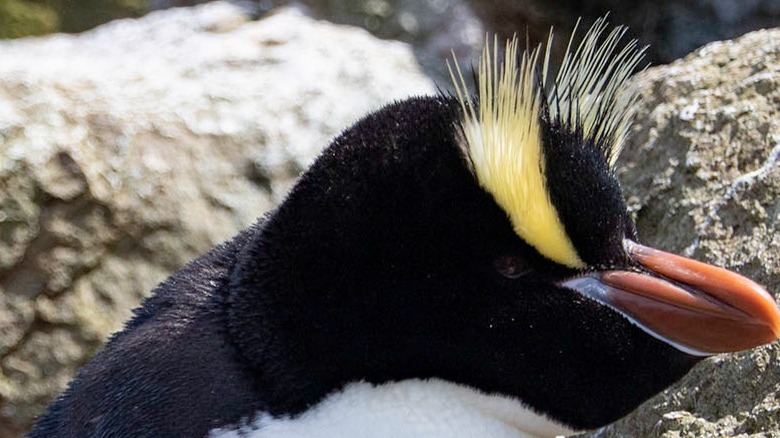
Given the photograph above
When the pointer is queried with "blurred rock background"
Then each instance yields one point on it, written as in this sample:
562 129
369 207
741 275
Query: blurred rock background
129 149
435 28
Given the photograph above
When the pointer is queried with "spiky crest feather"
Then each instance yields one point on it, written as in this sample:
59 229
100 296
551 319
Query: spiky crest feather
591 91
503 128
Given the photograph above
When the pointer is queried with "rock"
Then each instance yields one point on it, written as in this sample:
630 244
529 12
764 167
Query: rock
702 175
434 28
671 28
129 150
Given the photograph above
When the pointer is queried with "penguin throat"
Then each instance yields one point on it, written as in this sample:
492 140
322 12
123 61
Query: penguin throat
405 409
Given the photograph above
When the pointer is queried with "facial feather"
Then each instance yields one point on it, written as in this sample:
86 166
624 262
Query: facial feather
503 125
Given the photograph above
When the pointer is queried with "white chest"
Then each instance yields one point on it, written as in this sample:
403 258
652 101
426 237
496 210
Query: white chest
406 409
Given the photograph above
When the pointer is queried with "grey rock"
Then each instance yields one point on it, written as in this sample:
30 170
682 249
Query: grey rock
671 28
701 173
129 150
434 28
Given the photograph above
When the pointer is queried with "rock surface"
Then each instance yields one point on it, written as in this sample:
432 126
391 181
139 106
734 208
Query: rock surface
129 150
702 174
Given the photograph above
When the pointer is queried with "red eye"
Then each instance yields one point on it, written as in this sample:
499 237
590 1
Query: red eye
511 266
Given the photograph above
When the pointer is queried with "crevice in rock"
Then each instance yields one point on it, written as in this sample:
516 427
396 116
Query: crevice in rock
748 179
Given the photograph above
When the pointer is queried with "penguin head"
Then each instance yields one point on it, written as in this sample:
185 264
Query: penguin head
484 240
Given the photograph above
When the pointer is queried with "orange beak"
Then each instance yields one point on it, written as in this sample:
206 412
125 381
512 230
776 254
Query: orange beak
699 308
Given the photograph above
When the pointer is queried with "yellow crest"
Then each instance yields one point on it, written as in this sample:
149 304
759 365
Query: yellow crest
504 135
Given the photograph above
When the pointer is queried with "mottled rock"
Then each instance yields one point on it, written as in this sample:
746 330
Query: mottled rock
702 175
128 150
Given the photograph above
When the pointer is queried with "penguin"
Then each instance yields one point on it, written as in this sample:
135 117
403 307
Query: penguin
458 265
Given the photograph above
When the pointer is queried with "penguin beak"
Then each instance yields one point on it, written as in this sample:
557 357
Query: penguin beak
699 308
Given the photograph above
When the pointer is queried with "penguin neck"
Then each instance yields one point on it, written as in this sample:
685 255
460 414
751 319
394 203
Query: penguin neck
405 409
336 285
308 329
327 293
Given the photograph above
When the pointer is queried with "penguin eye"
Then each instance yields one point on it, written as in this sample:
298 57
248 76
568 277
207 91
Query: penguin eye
511 266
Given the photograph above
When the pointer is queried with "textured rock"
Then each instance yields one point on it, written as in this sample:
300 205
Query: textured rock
129 150
703 177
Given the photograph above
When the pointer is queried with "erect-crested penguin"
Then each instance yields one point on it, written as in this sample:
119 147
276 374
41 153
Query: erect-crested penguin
448 267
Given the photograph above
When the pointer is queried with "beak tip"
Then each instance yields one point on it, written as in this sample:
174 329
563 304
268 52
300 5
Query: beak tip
749 315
